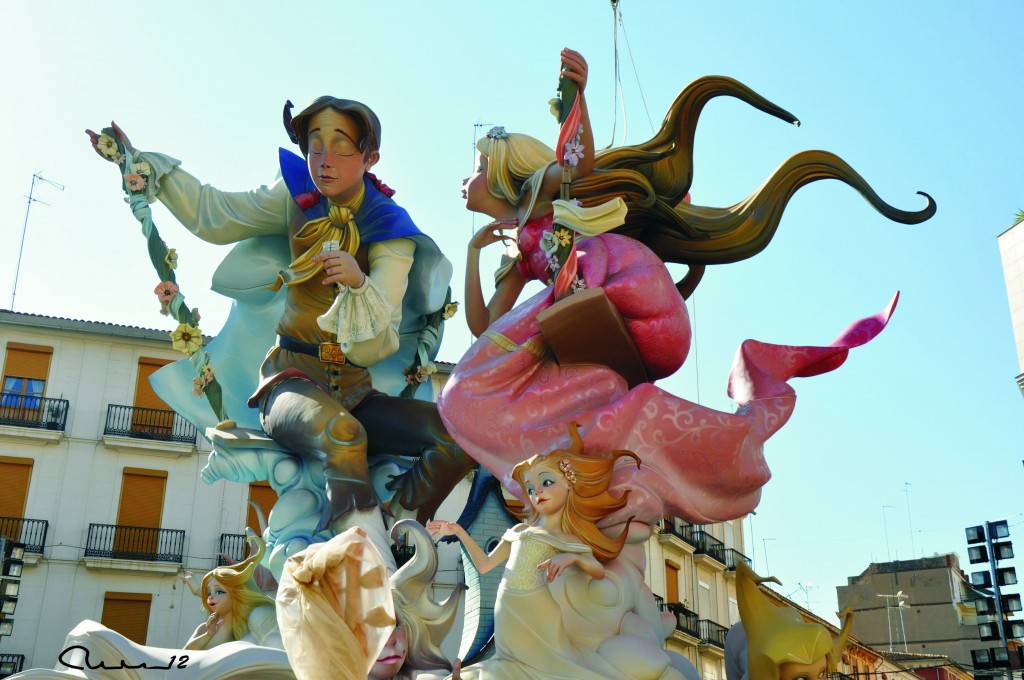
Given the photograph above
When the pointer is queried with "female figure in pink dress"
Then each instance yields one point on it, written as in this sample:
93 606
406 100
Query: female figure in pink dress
511 395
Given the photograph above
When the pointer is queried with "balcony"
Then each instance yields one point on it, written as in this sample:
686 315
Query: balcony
11 664
120 548
402 554
712 634
734 557
232 546
687 622
709 546
682 534
19 410
31 532
148 429
1020 382
39 420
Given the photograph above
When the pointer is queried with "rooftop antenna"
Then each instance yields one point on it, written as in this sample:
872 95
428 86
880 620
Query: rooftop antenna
910 519
897 601
806 590
885 525
37 177
476 135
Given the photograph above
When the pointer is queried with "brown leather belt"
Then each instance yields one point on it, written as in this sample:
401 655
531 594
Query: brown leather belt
327 352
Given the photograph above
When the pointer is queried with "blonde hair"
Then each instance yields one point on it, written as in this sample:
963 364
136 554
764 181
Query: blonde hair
654 177
238 581
512 160
589 500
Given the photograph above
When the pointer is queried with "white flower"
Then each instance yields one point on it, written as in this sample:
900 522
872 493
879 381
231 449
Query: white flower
548 243
573 153
497 132
578 286
141 168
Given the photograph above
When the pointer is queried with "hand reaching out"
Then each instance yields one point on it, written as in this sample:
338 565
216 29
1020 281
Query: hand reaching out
94 139
440 528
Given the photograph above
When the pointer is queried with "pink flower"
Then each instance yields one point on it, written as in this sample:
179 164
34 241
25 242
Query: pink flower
134 182
166 291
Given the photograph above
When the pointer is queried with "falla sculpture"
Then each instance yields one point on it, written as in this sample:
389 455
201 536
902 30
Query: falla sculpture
350 297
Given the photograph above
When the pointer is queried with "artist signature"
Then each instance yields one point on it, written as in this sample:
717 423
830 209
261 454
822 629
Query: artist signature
123 665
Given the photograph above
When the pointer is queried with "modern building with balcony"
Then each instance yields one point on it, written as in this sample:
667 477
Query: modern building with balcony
100 480
691 569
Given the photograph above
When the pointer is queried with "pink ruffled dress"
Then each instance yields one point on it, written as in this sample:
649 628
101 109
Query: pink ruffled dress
508 398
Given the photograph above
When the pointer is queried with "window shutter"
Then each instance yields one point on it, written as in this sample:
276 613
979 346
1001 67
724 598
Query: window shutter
15 473
261 494
27 361
128 614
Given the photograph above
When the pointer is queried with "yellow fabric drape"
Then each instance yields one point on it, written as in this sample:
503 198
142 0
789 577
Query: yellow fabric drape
339 225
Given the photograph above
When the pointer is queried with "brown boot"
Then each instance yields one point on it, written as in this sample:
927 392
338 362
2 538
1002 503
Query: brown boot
586 328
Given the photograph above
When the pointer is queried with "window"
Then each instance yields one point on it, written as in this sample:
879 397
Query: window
15 473
262 495
151 414
671 582
142 502
128 614
26 369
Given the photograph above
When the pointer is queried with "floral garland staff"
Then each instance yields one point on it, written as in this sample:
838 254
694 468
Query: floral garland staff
186 338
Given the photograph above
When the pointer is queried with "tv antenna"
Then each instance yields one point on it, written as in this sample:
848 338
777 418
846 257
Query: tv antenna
898 602
37 177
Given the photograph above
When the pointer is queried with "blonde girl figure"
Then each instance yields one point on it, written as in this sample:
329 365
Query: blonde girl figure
238 610
534 367
558 561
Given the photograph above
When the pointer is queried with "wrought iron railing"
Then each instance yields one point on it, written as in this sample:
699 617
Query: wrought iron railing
684 531
734 557
21 410
232 546
11 664
402 553
709 545
31 532
660 601
119 542
148 423
686 621
712 633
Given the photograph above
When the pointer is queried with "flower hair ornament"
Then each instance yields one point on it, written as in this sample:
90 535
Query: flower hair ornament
566 467
497 132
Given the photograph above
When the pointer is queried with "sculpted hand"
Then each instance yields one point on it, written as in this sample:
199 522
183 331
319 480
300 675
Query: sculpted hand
94 138
213 624
557 564
439 528
577 67
340 267
492 233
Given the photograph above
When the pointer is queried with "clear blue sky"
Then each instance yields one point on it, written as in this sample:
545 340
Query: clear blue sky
915 95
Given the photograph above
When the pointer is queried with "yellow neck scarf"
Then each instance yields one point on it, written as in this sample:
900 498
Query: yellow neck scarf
339 225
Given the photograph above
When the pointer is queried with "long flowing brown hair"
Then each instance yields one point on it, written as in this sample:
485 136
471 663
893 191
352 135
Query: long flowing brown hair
589 500
654 177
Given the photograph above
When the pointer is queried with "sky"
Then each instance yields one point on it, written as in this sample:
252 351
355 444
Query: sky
915 438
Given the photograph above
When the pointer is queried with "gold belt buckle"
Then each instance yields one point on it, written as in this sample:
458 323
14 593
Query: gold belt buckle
331 353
